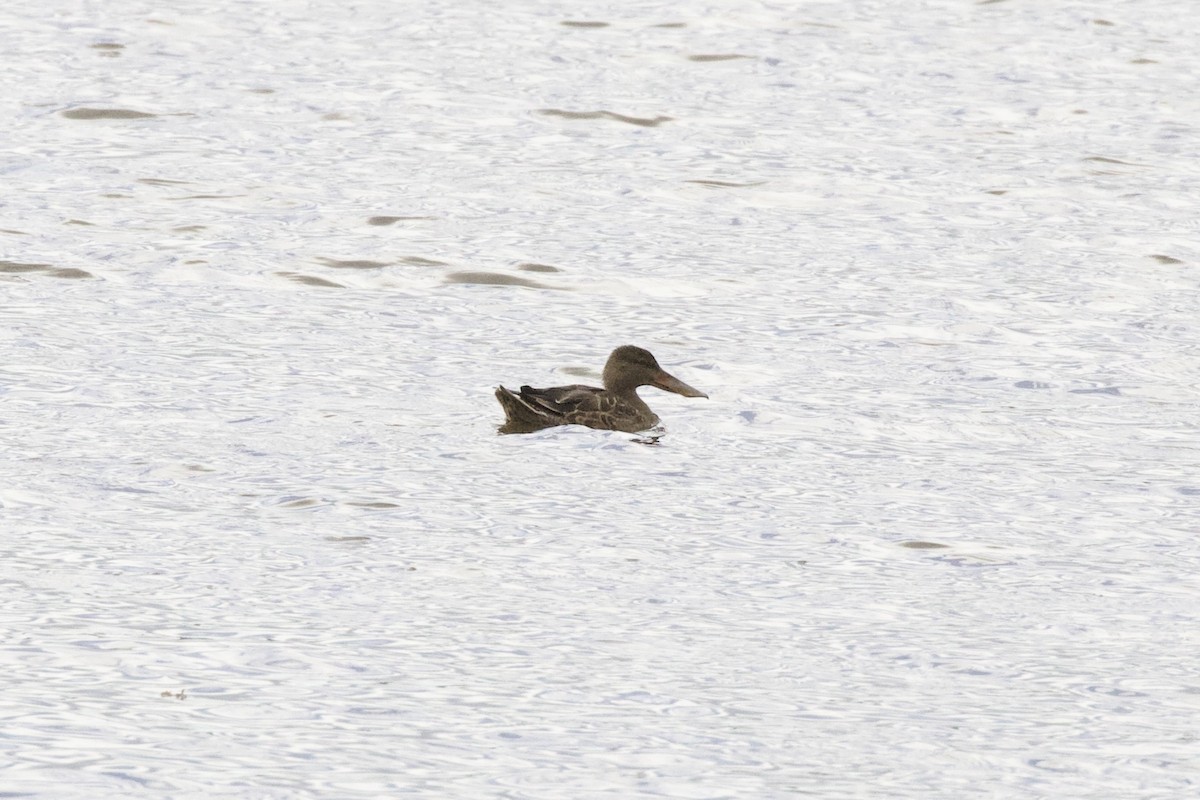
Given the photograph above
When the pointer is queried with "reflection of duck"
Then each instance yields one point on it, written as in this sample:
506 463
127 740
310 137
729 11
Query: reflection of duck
616 407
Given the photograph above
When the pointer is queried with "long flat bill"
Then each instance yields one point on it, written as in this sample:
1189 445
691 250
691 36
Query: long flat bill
670 383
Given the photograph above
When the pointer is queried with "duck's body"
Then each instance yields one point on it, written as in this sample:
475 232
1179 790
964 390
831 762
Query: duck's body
616 407
533 409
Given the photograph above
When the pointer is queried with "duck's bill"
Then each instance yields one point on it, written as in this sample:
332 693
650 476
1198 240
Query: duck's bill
670 383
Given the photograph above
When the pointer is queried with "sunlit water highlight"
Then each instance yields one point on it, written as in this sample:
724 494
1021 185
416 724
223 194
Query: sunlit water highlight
932 535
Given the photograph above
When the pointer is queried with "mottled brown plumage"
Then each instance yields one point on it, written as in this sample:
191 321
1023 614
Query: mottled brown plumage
616 407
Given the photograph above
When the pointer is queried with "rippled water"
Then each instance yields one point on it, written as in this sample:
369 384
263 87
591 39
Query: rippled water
933 535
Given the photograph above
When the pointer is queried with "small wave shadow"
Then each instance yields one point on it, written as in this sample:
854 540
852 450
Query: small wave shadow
644 122
480 278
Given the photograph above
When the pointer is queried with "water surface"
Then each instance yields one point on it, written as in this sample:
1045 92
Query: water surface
932 535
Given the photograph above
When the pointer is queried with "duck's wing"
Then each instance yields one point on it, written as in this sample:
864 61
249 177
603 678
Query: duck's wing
533 409
563 401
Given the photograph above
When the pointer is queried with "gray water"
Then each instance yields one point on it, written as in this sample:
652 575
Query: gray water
933 535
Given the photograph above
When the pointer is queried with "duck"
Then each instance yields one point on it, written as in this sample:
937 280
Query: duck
616 407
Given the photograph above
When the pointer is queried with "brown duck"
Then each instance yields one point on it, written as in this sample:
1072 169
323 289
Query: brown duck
616 407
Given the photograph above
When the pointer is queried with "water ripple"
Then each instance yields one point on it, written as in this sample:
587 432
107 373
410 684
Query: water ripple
932 535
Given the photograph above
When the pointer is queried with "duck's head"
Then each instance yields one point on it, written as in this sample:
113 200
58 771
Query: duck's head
630 367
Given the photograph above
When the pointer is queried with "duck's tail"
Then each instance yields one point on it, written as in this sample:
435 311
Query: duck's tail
520 417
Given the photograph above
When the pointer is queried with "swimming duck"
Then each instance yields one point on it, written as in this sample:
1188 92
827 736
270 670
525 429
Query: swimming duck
616 407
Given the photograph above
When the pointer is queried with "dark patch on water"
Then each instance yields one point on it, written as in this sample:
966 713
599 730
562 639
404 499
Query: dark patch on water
645 122
1110 390
717 57
354 263
310 280
106 113
49 270
494 279
389 220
